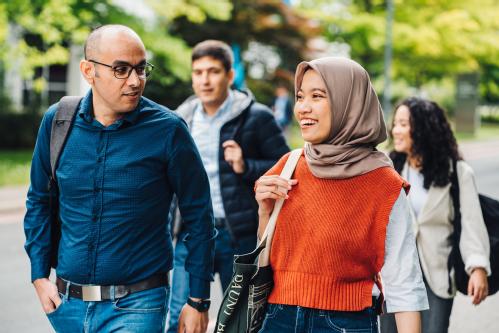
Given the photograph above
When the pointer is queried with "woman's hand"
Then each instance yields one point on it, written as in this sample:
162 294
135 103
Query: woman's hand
478 286
268 190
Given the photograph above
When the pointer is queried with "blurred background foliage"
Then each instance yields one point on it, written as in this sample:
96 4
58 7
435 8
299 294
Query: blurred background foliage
433 40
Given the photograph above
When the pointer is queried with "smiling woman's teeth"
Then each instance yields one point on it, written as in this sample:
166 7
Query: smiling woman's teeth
307 122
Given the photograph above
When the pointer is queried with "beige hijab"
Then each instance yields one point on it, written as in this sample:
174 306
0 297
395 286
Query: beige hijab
357 121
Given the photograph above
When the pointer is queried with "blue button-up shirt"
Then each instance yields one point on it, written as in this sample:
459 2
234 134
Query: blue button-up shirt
205 131
115 188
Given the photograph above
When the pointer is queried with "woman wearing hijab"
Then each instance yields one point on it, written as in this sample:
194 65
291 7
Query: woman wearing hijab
346 219
425 151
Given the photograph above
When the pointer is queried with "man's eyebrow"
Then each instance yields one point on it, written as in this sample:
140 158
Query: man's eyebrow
208 68
122 63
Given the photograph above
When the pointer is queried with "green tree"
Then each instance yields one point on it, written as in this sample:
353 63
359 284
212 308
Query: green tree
432 39
271 23
47 27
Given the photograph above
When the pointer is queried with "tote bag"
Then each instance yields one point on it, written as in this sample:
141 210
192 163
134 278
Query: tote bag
245 300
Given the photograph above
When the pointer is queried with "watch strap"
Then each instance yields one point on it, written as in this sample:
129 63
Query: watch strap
201 306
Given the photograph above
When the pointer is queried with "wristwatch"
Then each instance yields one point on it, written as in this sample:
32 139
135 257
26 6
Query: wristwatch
201 306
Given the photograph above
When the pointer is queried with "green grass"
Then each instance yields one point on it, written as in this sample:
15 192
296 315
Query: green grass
486 131
15 167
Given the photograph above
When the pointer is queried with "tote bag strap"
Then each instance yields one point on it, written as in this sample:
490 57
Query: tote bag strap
266 241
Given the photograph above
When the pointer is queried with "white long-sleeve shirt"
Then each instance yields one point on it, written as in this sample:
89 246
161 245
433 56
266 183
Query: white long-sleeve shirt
401 275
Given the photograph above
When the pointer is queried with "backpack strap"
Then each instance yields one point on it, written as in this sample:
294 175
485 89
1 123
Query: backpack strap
61 124
455 254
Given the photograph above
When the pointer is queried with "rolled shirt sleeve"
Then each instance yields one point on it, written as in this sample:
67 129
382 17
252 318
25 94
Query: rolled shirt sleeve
404 289
189 180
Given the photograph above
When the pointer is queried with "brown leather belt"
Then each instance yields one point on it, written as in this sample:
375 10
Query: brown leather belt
94 293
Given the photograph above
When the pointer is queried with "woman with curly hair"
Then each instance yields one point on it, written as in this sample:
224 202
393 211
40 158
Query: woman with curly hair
425 151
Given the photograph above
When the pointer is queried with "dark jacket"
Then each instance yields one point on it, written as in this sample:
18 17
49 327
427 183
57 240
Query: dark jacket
253 127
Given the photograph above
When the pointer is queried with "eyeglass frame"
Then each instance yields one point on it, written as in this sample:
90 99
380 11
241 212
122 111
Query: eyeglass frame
132 68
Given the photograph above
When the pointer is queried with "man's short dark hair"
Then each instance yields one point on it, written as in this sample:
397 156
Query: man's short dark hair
215 49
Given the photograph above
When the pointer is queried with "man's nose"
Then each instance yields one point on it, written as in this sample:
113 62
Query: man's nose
205 78
133 79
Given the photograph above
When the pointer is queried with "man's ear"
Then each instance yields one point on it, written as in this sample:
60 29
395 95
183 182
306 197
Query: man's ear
231 74
87 69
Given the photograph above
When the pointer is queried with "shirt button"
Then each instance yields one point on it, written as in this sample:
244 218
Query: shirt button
99 159
91 246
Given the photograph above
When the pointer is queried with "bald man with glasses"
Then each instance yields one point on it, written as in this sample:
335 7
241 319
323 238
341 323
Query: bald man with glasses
124 158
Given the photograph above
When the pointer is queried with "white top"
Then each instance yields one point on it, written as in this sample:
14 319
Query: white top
418 194
401 275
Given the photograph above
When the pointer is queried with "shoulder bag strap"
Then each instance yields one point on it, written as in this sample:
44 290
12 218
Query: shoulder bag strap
266 241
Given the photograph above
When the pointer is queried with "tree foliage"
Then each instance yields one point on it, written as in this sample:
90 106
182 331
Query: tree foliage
270 23
432 39
47 27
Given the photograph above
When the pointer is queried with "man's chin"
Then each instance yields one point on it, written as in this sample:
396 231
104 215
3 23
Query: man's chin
128 109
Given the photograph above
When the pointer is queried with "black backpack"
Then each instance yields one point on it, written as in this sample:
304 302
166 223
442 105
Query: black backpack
61 126
490 212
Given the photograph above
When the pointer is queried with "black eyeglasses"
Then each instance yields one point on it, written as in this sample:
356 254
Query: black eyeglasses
124 71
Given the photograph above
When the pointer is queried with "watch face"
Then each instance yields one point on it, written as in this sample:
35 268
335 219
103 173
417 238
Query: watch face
201 306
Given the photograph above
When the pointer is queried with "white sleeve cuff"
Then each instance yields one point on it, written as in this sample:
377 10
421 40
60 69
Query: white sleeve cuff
477 261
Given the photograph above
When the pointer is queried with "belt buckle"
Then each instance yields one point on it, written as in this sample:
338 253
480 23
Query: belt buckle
91 293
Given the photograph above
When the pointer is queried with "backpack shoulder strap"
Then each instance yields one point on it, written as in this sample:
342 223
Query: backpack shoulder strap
455 254
61 124
454 192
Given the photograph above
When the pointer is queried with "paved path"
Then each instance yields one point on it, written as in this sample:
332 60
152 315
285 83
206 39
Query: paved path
21 312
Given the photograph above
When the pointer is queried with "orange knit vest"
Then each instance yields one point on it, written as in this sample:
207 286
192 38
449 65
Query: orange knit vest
329 241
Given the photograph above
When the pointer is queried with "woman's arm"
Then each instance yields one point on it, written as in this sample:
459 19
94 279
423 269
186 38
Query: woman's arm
408 322
402 279
474 242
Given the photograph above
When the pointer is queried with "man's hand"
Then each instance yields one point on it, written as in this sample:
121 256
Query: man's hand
233 155
478 286
48 294
192 321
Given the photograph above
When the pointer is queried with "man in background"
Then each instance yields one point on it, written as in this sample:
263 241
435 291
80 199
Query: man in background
238 140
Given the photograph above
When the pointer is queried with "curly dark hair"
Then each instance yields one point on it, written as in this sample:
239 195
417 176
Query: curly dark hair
433 141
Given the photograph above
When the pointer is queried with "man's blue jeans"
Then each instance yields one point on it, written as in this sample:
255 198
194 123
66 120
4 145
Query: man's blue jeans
140 312
225 249
287 318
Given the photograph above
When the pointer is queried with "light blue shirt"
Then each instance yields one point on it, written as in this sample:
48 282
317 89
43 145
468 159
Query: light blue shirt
205 130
